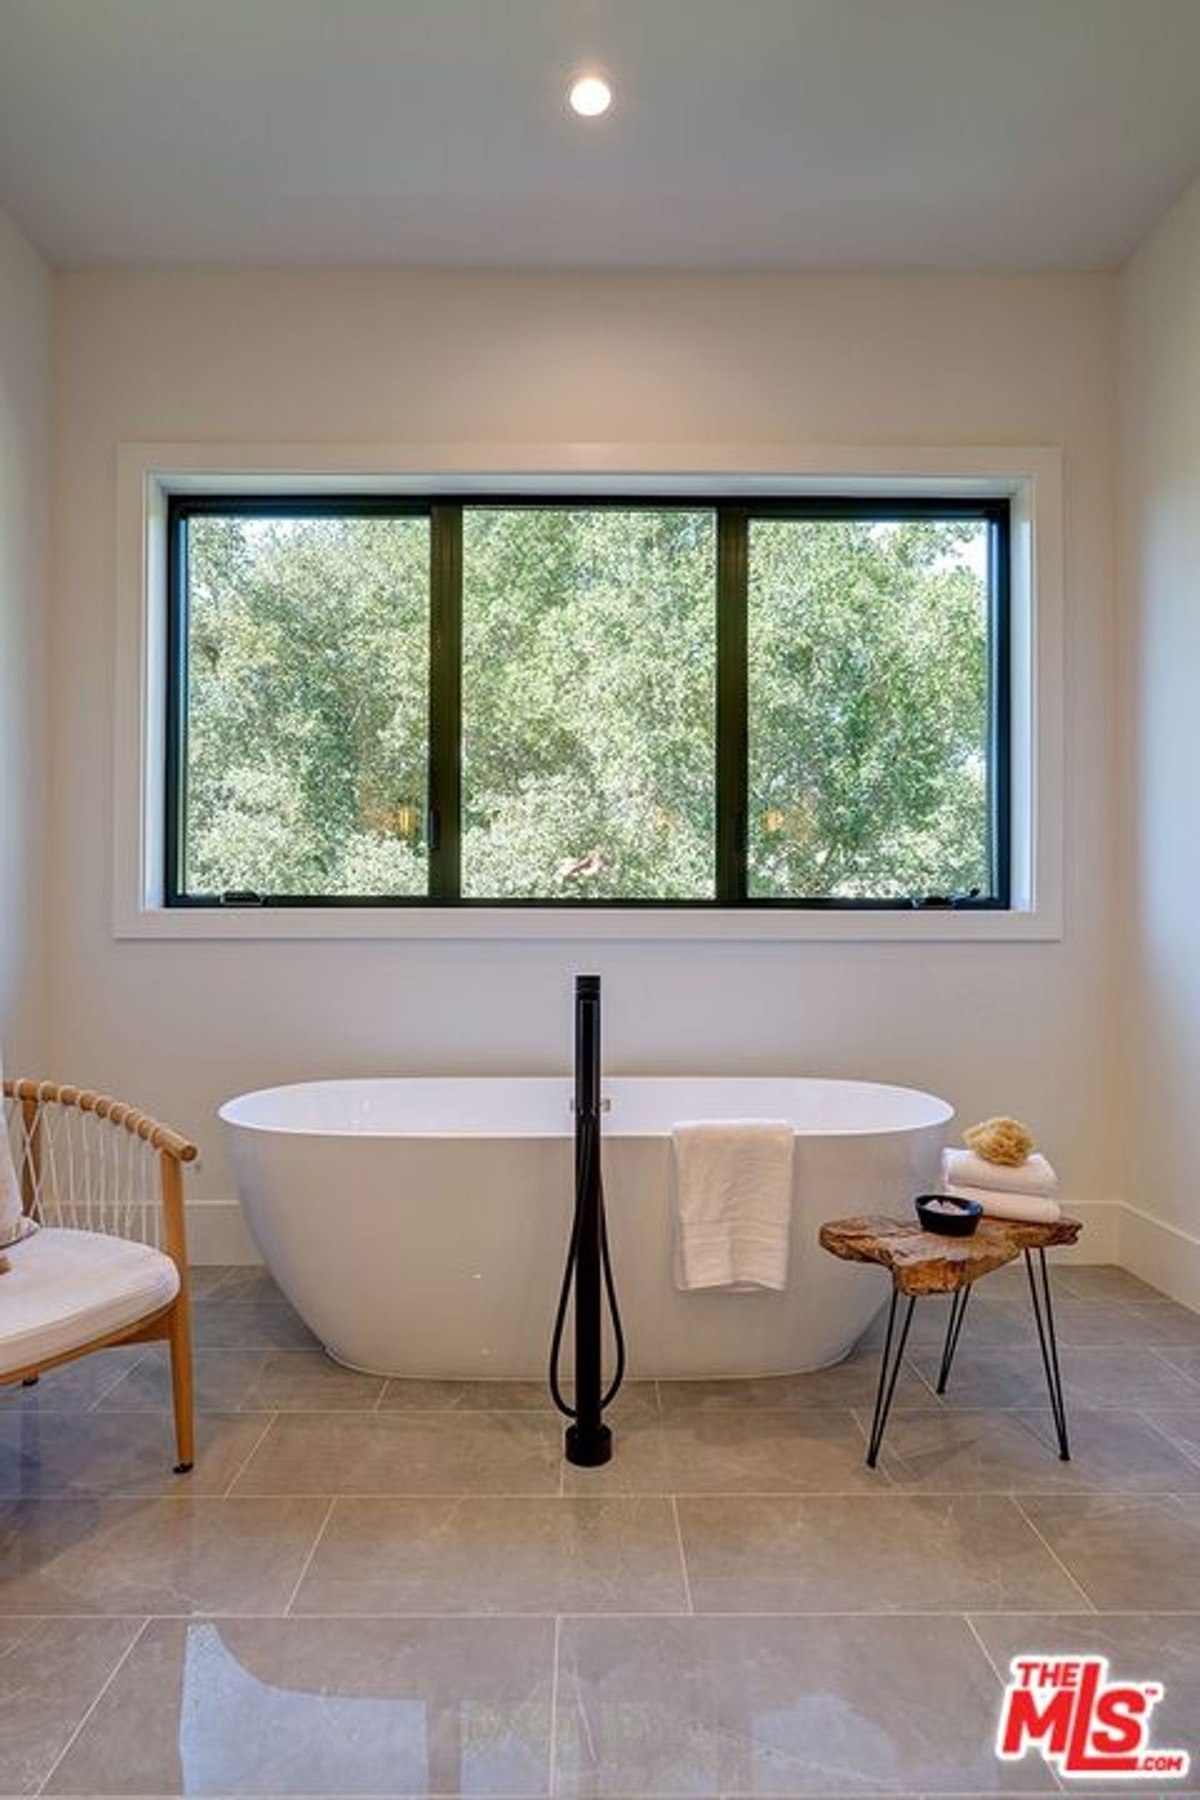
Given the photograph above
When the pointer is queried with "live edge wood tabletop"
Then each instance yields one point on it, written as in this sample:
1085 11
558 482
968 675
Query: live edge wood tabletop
921 1262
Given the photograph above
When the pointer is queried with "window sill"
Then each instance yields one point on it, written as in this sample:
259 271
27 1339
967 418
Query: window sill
605 924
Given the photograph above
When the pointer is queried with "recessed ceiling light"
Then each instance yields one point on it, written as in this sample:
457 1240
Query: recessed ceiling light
590 96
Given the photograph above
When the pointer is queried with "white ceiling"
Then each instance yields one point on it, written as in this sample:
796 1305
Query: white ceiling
805 134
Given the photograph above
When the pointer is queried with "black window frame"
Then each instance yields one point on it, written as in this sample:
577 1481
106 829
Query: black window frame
733 517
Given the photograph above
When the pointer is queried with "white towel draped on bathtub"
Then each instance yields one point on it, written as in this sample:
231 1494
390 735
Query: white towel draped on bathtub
733 1203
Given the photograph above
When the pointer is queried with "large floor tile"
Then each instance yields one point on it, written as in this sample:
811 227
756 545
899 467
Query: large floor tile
777 1707
1013 1375
51 1671
1186 1359
1102 1281
234 1281
1113 1448
806 1450
866 1553
1126 1551
503 1396
990 1451
849 1383
1140 1647
75 1386
60 1455
1179 1423
992 1317
256 1324
405 1453
250 1381
496 1556
249 1325
1130 1375
154 1556
1174 1324
323 1707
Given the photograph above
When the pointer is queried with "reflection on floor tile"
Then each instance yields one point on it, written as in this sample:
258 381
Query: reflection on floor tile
496 1556
777 1706
74 1386
180 1555
59 1455
323 1707
51 1670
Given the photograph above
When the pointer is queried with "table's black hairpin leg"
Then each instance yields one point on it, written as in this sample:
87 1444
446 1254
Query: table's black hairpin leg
954 1325
889 1372
1043 1312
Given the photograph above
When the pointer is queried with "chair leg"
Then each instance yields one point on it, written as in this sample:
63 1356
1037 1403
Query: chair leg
180 1338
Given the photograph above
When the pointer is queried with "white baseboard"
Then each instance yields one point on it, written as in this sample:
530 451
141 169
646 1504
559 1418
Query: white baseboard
1164 1255
217 1233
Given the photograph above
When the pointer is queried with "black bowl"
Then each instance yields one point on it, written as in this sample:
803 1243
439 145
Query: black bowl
947 1214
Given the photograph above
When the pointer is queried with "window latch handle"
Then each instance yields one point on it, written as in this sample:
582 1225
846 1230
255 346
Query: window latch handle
242 897
433 828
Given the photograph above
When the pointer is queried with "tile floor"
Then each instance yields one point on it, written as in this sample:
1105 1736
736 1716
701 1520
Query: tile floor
376 1588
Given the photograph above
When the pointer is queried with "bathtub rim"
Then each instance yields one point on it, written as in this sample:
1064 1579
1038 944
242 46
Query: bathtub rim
939 1115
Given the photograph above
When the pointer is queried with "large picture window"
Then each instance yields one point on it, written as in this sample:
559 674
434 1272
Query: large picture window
650 702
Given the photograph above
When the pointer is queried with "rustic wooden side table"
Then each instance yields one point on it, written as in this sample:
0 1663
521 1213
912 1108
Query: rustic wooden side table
922 1263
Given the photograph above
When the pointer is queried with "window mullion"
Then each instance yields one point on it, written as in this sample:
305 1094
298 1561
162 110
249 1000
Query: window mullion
732 726
176 704
1000 706
444 824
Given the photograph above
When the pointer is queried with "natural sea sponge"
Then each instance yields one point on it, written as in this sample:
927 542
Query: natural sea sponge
1004 1141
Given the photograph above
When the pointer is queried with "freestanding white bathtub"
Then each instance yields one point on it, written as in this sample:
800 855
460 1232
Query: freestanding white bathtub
419 1226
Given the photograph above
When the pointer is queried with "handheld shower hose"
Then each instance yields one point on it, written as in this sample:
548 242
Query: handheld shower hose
589 1262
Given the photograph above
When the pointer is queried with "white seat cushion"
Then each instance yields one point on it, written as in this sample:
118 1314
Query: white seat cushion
63 1289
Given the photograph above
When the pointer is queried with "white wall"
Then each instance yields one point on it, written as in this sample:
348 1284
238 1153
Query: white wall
1161 407
380 357
24 475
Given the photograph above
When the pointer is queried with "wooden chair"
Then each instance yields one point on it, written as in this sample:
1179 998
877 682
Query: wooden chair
108 1264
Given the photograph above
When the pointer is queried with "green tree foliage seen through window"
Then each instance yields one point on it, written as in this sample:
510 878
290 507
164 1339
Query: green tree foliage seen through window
868 708
308 710
589 704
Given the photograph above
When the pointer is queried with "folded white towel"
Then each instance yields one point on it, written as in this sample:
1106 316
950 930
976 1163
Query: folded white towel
1033 1176
1033 1209
12 1216
733 1203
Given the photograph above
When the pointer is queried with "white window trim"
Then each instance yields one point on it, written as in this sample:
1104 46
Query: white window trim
1031 478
